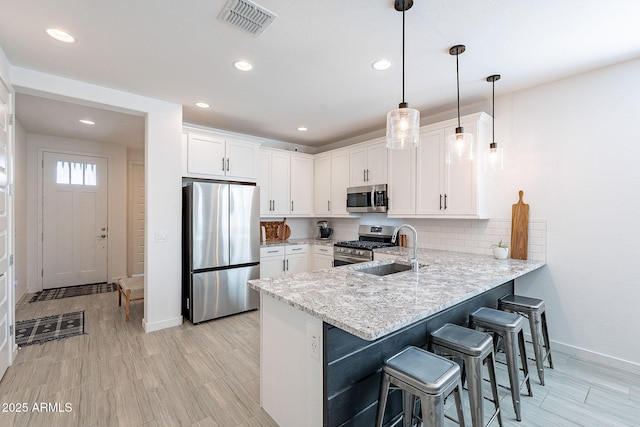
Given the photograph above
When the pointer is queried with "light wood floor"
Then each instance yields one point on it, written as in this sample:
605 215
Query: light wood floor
208 375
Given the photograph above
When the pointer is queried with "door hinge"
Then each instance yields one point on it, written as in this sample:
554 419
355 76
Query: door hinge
11 119
11 330
10 259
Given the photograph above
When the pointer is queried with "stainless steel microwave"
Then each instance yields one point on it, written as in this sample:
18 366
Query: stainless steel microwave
368 198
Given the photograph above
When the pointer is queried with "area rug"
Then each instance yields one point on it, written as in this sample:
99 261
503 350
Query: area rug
43 329
73 291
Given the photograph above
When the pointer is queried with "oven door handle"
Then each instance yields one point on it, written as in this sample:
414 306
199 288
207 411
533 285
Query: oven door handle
352 260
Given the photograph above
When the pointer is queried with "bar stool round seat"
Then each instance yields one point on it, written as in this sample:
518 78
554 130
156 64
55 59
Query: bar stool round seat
532 309
474 348
509 326
419 373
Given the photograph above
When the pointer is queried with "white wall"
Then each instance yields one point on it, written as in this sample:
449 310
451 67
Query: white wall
117 202
163 131
571 146
20 210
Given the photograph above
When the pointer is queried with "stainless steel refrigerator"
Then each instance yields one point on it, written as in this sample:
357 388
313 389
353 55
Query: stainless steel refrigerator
220 249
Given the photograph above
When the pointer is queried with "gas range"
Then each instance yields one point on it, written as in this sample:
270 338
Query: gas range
370 237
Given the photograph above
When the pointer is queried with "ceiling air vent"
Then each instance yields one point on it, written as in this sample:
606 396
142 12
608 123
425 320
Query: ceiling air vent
247 15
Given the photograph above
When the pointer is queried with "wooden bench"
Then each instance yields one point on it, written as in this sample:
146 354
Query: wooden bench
133 290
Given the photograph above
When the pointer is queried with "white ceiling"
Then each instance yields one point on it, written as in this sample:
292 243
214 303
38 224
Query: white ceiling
312 65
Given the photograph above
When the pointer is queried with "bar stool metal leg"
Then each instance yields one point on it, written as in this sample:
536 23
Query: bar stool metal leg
475 348
510 327
545 334
534 310
382 398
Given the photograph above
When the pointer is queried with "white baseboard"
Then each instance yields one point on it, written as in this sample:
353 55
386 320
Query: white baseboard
163 324
593 357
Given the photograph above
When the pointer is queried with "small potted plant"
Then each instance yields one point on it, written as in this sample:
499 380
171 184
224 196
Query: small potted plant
500 250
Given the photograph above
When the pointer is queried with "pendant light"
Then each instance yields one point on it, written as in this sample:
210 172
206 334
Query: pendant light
403 123
459 144
494 156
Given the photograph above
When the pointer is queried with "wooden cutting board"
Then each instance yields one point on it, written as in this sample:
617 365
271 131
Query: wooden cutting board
519 229
284 232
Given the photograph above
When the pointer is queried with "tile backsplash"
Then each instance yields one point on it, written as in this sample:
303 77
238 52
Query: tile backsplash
455 235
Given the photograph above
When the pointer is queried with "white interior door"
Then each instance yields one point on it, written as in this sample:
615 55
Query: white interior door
6 305
74 220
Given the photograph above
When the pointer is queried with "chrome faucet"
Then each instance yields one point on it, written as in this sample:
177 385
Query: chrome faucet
413 261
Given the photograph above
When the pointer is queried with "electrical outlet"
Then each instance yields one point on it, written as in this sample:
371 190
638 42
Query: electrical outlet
315 346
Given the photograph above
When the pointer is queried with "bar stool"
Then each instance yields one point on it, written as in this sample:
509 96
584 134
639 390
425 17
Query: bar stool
510 327
419 373
533 309
474 348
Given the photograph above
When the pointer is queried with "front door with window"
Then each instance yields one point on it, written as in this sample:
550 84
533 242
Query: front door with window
74 220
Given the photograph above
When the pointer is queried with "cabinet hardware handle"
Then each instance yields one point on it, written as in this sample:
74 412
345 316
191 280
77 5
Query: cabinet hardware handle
283 266
445 202
296 249
272 252
441 202
364 175
323 250
227 164
223 164
367 175
329 205
292 206
287 265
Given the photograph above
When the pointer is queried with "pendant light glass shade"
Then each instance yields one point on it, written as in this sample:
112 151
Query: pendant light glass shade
403 123
459 144
459 147
403 128
493 156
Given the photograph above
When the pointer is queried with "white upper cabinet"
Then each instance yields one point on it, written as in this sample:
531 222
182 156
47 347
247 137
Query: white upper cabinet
330 182
440 189
322 185
368 164
286 183
301 185
217 156
402 182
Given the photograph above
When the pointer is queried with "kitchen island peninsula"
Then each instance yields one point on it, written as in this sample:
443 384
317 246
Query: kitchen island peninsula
324 334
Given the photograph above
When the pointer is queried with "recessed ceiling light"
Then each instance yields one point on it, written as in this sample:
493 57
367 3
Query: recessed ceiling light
60 35
202 104
87 122
243 65
303 128
381 65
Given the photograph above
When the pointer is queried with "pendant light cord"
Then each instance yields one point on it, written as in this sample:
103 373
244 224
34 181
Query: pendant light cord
493 111
403 55
458 87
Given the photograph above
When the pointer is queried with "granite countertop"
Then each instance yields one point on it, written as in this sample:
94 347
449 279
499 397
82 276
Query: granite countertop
370 306
307 241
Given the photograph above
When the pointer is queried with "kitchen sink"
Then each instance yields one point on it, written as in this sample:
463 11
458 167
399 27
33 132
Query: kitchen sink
385 269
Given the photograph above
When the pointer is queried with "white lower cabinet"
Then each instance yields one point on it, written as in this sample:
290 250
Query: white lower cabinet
276 261
322 257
